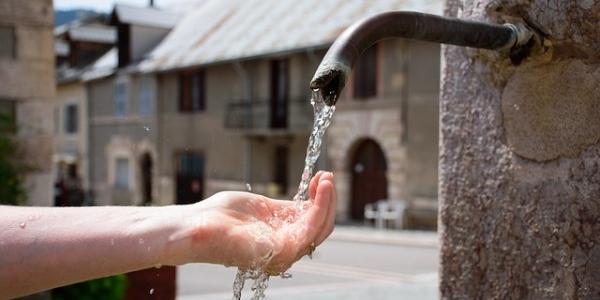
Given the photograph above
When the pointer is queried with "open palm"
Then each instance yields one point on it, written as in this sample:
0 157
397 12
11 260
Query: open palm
255 232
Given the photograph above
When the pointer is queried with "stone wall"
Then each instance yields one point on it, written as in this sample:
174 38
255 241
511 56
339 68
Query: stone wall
27 79
520 158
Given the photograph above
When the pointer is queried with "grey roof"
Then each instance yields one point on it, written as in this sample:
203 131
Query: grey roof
61 29
105 66
219 31
147 16
93 33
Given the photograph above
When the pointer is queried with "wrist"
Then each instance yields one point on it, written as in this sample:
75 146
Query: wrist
189 240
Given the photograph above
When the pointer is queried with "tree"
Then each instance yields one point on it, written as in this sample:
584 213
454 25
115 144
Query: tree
11 168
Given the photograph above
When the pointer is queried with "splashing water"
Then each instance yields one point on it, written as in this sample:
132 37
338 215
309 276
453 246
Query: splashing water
261 282
322 119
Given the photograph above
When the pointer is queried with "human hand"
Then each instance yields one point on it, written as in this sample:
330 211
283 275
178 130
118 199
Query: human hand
251 231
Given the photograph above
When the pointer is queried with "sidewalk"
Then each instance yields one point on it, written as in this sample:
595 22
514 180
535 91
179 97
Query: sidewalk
363 234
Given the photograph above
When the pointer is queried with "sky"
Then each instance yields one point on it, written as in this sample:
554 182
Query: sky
103 5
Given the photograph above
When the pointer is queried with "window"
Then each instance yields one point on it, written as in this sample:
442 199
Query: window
146 97
279 93
122 173
120 98
7 41
71 118
365 75
191 91
281 168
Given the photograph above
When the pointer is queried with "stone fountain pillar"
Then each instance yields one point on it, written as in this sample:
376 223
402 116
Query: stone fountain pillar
520 158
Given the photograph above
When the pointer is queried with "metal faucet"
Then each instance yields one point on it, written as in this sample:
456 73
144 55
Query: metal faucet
331 75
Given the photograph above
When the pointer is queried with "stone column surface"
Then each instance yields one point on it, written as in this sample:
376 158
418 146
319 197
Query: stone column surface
520 157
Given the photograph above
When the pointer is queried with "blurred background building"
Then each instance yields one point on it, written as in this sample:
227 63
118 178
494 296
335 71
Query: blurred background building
157 106
78 44
216 97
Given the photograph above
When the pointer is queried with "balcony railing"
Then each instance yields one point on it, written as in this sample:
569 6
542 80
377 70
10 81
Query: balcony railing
259 116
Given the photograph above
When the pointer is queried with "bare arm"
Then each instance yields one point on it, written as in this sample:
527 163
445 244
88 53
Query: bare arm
47 247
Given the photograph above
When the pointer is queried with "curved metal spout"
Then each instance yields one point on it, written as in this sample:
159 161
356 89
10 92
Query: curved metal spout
332 73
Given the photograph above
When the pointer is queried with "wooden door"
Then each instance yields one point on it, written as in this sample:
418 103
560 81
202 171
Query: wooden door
190 177
369 181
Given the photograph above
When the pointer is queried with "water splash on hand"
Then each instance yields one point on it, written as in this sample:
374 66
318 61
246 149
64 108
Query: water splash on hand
322 119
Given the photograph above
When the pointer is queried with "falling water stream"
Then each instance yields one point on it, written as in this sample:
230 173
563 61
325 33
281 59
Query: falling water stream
322 119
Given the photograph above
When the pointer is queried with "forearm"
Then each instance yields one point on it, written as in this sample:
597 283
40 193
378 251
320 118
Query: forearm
43 248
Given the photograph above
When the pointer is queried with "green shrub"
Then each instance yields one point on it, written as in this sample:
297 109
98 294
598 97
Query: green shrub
108 288
11 167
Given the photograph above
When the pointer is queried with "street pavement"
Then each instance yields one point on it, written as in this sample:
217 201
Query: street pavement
354 263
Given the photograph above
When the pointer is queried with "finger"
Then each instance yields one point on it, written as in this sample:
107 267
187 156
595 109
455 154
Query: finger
331 212
316 215
312 188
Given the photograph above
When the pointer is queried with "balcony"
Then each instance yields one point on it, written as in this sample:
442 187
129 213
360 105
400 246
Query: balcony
261 117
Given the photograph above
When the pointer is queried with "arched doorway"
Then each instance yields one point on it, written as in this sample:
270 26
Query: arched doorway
369 181
146 171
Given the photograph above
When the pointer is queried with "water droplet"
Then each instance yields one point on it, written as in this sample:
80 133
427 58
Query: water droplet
148 248
112 242
157 266
151 291
286 275
22 225
141 241
248 187
146 128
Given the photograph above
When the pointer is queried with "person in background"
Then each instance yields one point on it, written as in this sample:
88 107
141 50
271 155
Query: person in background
47 247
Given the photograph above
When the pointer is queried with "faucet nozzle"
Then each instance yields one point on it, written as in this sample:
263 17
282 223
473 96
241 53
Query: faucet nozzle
330 80
337 64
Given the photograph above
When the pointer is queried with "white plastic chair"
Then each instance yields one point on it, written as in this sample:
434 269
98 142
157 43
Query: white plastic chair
395 212
383 211
370 212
